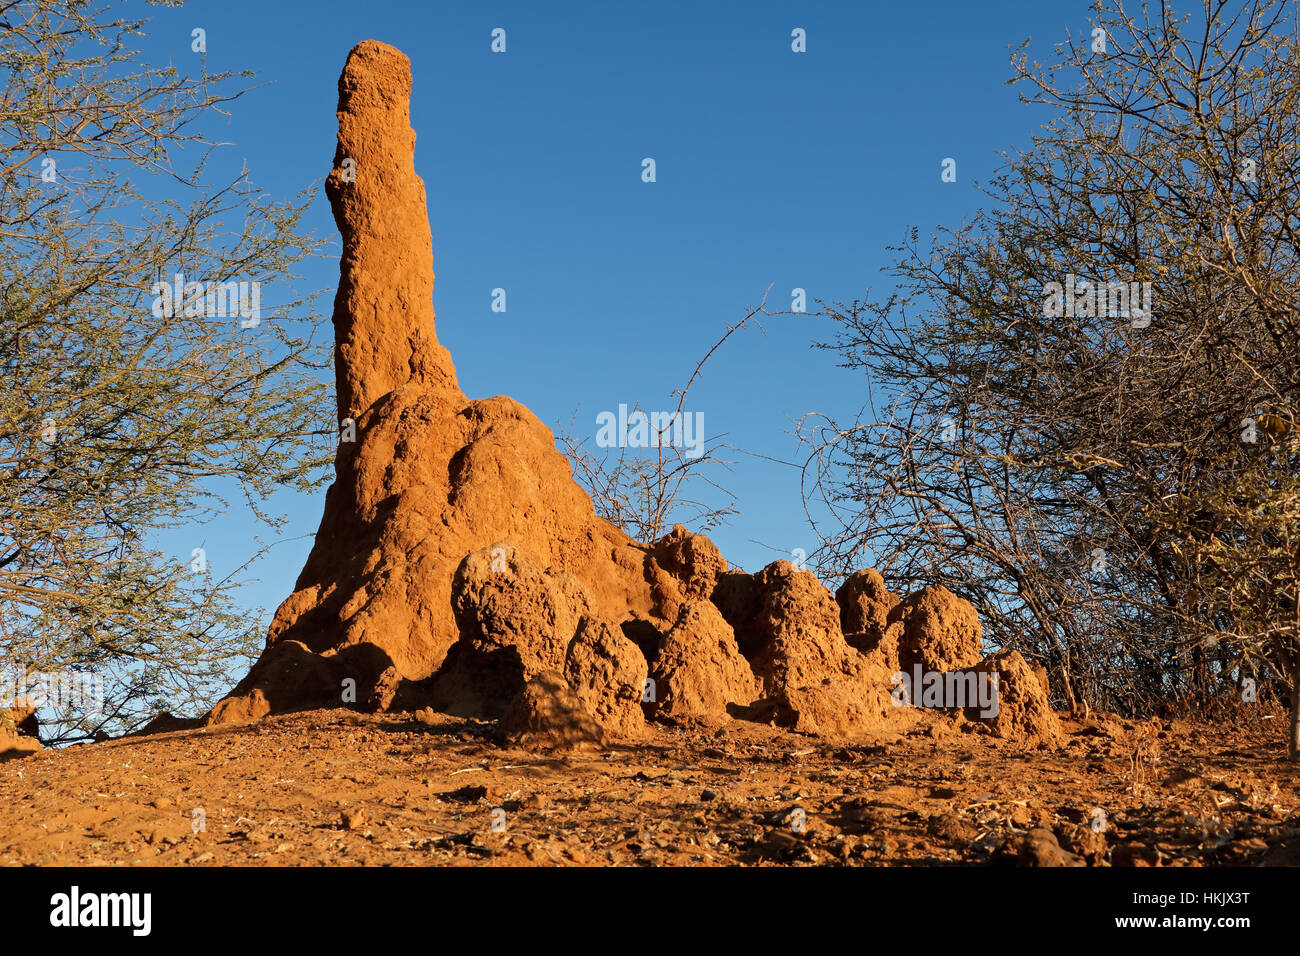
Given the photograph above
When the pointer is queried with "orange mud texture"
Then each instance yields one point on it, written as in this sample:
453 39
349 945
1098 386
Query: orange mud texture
337 787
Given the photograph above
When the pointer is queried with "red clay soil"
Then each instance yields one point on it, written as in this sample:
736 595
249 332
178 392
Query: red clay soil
337 788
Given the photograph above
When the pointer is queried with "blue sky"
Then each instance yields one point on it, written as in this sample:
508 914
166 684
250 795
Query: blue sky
773 168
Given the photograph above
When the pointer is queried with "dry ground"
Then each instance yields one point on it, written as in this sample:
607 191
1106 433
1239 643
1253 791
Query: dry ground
338 787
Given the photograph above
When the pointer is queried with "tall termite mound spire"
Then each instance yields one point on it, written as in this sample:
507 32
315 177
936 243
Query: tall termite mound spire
457 562
383 312
430 476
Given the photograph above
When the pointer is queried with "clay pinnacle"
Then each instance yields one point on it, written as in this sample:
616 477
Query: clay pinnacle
383 312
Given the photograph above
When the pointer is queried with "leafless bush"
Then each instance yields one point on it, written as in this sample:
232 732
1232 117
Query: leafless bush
646 491
1116 490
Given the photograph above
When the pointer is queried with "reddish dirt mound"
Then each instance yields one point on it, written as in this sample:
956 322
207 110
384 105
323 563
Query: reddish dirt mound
865 605
941 632
1024 713
431 475
547 714
608 674
515 620
457 560
502 601
812 679
865 602
682 566
699 672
